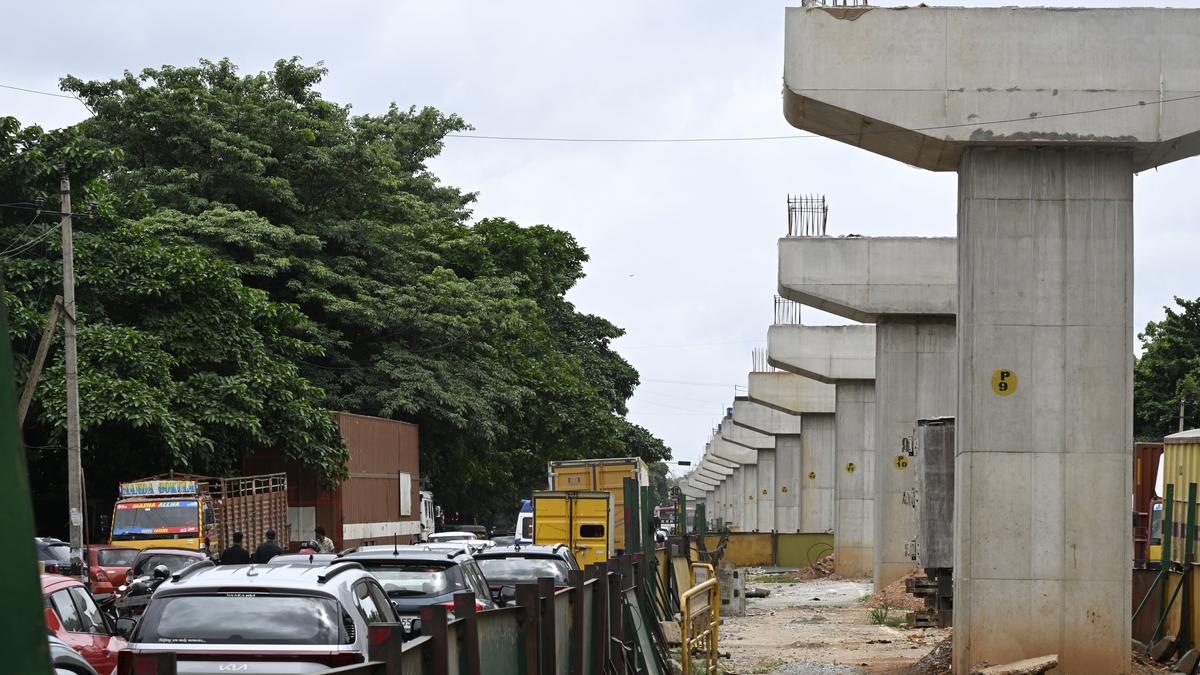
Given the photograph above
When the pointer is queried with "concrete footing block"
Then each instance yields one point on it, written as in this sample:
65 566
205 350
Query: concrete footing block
733 590
1163 649
1034 666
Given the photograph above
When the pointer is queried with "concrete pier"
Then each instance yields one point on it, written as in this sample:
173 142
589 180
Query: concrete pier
843 356
907 286
804 475
1045 132
756 417
760 478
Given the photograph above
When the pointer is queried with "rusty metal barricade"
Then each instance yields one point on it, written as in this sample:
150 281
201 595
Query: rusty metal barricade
700 614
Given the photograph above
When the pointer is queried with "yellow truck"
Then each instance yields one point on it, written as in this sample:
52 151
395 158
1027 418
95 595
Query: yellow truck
199 512
581 520
600 475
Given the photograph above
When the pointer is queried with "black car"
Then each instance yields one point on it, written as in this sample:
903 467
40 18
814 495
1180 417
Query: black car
414 578
53 554
507 566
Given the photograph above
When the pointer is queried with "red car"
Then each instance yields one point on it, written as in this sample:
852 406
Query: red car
72 615
107 567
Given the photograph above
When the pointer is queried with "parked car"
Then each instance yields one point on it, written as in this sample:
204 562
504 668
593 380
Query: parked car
507 566
52 554
108 567
73 616
310 559
67 661
264 619
455 535
414 578
504 540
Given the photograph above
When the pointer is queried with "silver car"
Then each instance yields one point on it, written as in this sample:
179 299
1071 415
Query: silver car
278 619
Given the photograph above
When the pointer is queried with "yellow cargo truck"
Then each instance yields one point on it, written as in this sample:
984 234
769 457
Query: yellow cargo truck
601 475
581 520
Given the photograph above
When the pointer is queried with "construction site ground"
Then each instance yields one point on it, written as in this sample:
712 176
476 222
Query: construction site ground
826 626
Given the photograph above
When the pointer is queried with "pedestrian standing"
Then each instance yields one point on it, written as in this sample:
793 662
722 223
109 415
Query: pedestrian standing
266 550
235 554
324 542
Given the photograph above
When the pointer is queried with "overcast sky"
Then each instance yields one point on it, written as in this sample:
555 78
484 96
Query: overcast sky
682 236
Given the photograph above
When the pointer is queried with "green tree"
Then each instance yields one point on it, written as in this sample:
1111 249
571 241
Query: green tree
1168 371
182 365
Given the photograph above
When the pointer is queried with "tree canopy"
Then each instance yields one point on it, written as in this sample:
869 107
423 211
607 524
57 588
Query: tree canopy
1168 371
261 253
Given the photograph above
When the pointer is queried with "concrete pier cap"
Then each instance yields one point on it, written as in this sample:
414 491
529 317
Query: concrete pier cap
748 438
823 353
765 420
791 393
1045 114
923 84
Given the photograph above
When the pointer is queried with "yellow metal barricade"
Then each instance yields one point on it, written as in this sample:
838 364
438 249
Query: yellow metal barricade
700 614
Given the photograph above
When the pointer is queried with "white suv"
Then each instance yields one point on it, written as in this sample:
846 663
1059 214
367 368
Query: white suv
264 619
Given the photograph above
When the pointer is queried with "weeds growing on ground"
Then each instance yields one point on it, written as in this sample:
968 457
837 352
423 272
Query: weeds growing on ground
772 579
879 615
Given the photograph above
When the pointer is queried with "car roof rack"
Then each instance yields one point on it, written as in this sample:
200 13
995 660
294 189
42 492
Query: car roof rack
194 567
336 569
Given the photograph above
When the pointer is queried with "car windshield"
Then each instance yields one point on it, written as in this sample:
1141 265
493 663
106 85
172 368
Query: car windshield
116 557
517 570
174 563
59 552
162 519
242 618
417 578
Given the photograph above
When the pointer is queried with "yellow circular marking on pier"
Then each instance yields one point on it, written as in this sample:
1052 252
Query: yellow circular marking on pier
783 488
901 462
850 467
1004 382
812 475
764 492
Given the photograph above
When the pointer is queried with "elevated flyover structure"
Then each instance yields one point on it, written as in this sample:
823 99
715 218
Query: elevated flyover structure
845 357
804 473
1045 114
907 287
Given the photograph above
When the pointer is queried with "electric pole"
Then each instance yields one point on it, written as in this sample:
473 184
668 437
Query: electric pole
74 463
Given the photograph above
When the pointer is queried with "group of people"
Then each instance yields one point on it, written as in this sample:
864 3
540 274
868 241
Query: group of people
236 554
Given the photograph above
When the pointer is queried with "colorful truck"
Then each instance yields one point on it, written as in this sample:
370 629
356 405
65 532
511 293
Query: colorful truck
199 513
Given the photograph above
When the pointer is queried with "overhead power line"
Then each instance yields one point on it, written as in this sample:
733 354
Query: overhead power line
49 93
792 137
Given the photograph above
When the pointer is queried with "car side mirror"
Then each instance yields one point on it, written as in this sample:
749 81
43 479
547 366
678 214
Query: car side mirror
125 626
507 596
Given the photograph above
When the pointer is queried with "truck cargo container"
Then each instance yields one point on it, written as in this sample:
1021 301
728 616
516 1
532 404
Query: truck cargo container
581 520
601 475
379 502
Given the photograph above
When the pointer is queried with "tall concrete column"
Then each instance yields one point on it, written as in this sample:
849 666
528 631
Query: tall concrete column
1043 467
795 395
756 417
843 356
756 514
914 379
907 286
1045 132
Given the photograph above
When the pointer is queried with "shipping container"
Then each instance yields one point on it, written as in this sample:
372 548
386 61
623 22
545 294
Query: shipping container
1181 466
601 475
581 520
379 502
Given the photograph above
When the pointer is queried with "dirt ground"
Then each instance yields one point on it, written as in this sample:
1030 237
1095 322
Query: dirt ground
819 627
823 627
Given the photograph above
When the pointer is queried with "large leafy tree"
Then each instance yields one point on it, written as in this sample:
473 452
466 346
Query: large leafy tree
183 366
1168 371
419 314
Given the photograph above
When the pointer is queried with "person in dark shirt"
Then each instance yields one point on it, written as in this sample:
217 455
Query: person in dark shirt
266 550
235 555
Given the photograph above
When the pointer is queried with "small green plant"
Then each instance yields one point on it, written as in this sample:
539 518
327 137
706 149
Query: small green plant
773 579
879 615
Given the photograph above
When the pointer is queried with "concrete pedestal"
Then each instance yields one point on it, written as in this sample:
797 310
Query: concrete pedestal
914 378
1043 551
854 494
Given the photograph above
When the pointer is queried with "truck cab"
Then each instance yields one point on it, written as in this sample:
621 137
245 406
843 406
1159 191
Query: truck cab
163 513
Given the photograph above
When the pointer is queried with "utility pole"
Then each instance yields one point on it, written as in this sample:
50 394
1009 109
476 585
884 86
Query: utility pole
1181 414
74 463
